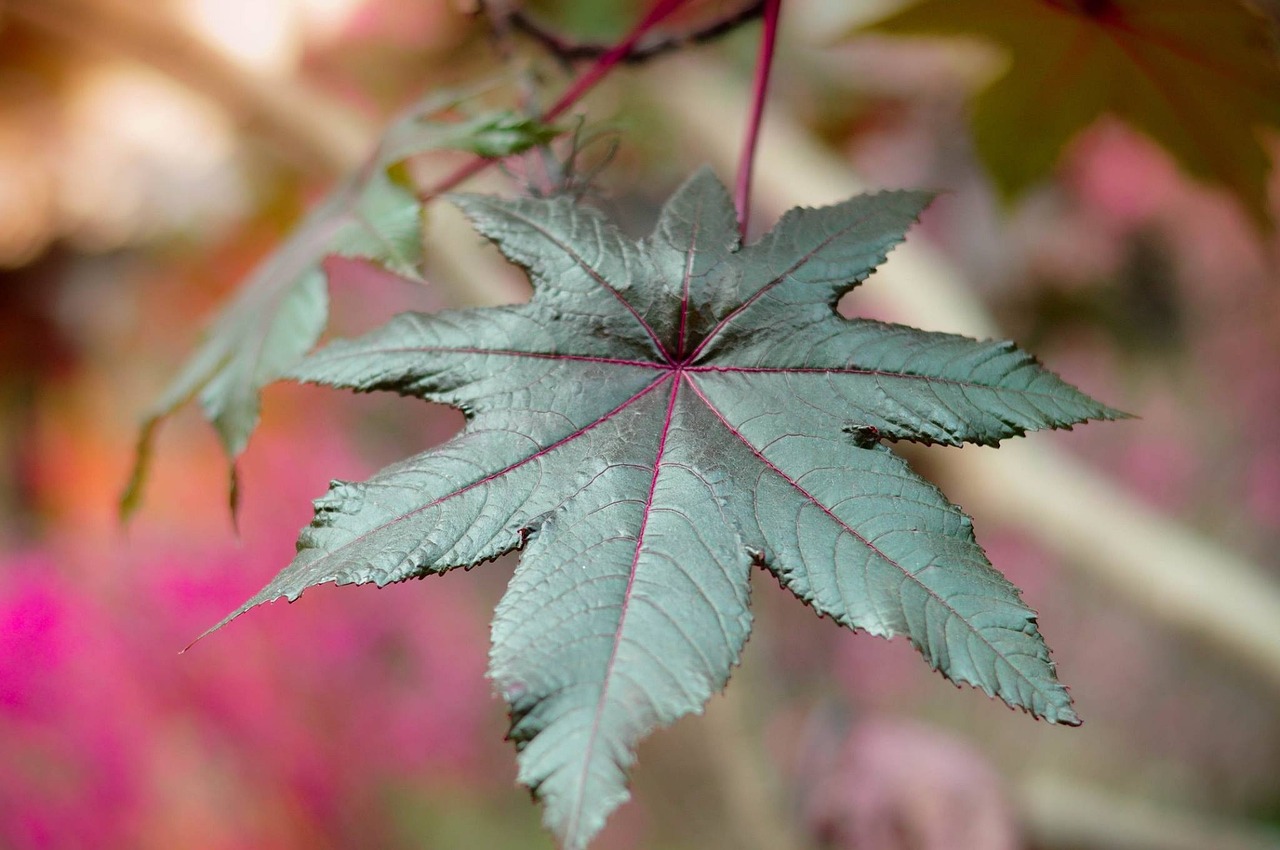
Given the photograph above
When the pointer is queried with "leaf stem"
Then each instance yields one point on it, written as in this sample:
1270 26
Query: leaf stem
606 63
764 64
616 54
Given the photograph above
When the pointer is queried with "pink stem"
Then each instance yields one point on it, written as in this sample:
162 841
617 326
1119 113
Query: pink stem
605 64
764 64
467 170
577 89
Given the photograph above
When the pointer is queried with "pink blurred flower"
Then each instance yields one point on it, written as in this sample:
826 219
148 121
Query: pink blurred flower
284 730
891 785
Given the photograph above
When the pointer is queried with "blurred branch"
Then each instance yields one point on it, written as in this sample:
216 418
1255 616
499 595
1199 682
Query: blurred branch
1161 568
568 51
306 126
731 751
1060 813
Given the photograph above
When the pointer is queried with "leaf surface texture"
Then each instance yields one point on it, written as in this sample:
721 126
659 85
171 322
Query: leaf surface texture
660 416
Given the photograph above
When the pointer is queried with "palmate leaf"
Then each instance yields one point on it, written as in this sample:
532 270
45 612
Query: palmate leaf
1200 77
658 418
283 306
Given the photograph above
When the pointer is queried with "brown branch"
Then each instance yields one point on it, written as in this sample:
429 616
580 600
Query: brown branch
568 51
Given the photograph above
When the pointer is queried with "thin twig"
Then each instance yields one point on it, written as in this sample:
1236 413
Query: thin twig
569 51
660 10
759 87
611 58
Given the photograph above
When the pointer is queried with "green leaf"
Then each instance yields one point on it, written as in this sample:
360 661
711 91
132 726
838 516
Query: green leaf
282 307
658 418
280 312
1200 78
493 134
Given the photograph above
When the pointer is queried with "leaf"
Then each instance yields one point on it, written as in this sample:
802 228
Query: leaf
493 134
1200 78
660 416
282 308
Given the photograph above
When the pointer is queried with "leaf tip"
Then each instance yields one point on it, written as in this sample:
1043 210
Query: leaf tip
131 496
208 632
233 497
261 598
1061 715
1114 414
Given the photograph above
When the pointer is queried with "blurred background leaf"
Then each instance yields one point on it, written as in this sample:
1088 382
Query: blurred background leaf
1201 79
